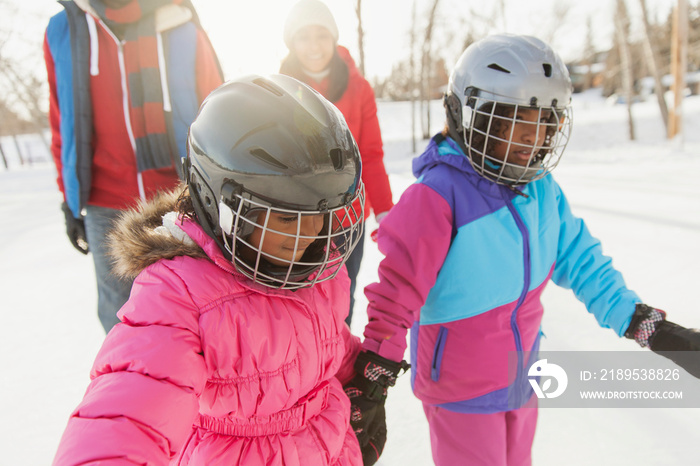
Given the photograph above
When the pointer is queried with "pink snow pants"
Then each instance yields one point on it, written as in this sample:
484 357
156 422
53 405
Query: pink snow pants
499 439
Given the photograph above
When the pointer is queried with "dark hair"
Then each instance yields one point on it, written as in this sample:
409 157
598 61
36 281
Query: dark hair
183 205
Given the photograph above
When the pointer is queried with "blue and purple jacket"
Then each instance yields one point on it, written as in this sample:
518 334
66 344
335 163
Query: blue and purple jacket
466 262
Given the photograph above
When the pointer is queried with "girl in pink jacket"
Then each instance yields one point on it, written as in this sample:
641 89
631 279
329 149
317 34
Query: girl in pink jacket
232 348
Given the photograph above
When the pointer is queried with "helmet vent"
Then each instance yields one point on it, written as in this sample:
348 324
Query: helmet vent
267 85
547 69
265 156
337 159
497 67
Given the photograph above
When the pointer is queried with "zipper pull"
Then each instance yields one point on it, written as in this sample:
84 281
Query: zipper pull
518 192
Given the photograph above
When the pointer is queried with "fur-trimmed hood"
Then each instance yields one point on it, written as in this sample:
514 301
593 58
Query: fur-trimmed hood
139 237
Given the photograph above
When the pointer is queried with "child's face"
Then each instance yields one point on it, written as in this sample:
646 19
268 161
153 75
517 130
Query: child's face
528 137
314 46
279 245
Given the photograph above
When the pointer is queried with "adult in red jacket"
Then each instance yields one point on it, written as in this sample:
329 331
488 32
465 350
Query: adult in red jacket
126 79
311 35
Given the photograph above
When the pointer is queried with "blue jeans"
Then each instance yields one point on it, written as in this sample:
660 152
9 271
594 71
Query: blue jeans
353 265
112 292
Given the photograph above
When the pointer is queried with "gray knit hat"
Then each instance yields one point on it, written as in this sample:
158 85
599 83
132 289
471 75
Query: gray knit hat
306 13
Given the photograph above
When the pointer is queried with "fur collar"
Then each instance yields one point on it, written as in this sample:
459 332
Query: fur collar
139 239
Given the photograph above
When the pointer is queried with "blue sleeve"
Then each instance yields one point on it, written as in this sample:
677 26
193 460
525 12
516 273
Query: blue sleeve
582 267
58 38
182 82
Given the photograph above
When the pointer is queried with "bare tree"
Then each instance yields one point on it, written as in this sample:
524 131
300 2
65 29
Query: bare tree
622 35
426 71
652 62
23 87
2 155
412 87
399 84
679 63
560 12
589 55
502 11
694 41
360 36
27 95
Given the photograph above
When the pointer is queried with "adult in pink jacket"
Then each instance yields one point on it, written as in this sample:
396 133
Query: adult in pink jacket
233 347
316 59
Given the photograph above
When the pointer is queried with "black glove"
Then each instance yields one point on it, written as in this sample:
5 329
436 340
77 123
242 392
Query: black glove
649 327
75 229
367 392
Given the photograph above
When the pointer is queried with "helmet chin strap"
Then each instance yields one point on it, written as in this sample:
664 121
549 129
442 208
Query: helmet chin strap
513 174
299 273
522 173
264 271
455 130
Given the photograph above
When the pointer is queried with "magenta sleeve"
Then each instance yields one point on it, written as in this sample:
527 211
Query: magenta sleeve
414 238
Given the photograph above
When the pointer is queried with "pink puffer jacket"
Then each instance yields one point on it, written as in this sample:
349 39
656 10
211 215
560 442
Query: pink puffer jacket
209 368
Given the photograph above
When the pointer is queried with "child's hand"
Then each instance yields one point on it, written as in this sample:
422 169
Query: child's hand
367 392
368 421
378 218
681 345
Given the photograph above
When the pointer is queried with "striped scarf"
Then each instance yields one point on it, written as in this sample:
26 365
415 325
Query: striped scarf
134 21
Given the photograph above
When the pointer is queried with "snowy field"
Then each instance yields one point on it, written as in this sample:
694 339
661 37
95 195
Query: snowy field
641 198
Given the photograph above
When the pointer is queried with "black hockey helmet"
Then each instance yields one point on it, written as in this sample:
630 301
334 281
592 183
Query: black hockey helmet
270 143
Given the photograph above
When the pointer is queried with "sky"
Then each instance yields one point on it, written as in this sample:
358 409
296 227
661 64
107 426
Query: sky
248 35
640 198
387 24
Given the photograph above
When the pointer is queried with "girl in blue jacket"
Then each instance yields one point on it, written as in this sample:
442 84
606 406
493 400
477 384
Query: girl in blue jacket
495 228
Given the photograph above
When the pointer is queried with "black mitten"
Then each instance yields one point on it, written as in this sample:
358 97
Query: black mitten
75 229
679 344
649 327
367 392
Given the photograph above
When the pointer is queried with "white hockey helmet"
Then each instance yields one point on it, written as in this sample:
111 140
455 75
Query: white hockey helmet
494 79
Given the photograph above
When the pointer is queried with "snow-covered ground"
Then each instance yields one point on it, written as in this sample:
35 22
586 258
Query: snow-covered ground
641 198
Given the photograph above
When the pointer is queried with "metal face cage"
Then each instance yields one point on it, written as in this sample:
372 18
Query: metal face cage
322 255
509 147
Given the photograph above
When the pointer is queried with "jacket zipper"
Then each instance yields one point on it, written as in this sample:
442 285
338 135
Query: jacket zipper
162 68
526 286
